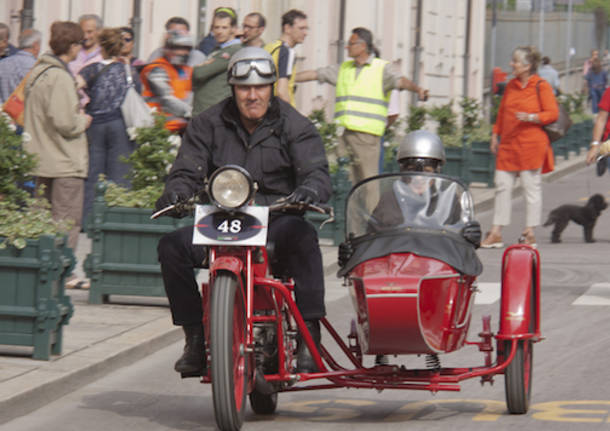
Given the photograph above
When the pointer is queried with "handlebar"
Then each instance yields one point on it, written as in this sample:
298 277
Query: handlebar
278 206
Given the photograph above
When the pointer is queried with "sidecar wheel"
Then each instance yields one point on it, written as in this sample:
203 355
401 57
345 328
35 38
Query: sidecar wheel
229 370
263 404
518 377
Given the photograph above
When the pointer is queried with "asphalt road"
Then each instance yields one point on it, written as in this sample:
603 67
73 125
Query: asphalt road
570 365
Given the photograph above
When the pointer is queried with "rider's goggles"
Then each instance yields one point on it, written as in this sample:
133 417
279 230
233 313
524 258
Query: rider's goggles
242 69
419 165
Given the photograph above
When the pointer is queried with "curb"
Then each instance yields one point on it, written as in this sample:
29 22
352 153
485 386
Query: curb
33 390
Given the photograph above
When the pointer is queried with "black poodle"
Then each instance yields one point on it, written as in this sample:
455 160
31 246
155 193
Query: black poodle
586 216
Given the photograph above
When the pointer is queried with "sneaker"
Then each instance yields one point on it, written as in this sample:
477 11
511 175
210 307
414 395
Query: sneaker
75 283
492 241
528 238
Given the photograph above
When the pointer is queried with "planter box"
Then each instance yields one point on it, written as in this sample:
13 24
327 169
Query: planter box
33 304
335 230
471 163
123 258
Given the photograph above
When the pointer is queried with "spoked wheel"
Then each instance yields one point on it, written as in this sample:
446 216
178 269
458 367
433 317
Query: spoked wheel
228 352
263 404
518 376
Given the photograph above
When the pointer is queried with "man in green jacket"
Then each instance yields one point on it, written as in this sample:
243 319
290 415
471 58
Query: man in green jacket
210 78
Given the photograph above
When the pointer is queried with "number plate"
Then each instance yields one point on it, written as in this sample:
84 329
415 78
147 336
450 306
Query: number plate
214 226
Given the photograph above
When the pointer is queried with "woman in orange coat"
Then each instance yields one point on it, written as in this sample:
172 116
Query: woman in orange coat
521 145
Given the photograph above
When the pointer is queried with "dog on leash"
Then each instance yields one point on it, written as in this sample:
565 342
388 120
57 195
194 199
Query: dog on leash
586 216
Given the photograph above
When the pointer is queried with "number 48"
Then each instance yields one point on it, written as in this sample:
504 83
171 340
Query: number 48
233 227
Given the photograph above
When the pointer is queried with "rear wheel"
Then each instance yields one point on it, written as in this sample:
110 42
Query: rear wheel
518 376
263 404
229 369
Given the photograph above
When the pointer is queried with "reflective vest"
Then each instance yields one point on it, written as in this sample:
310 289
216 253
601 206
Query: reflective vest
360 104
273 48
181 86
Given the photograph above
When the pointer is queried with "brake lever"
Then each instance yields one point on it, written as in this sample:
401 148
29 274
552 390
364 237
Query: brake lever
178 206
162 211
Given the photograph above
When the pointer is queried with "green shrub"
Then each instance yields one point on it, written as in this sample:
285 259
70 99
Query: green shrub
446 119
151 161
16 164
416 118
28 221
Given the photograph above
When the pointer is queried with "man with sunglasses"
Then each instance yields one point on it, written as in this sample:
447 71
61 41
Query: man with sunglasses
253 27
284 154
363 85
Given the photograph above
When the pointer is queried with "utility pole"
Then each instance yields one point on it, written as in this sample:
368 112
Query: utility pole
542 4
340 40
136 22
569 33
27 15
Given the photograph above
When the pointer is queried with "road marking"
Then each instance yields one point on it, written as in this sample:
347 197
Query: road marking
479 410
598 294
489 293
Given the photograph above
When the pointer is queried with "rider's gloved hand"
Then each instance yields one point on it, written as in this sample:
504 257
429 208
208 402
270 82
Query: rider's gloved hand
346 250
172 197
304 194
472 233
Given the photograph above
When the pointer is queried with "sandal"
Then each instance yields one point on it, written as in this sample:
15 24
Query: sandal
528 238
492 241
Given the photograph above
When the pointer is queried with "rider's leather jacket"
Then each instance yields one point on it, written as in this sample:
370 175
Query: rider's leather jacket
285 151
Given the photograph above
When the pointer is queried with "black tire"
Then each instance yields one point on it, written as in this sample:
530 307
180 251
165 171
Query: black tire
518 377
229 370
263 404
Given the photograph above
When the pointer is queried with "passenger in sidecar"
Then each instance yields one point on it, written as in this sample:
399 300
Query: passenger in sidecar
420 211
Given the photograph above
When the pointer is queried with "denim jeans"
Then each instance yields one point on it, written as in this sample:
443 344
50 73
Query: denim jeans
108 141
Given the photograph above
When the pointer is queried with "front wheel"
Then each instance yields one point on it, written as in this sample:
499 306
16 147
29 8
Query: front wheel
229 369
518 376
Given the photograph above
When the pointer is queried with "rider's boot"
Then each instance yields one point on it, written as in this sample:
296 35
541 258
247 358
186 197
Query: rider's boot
305 362
193 359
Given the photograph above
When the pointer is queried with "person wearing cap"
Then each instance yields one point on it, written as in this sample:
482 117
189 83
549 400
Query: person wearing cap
209 79
180 25
284 154
166 82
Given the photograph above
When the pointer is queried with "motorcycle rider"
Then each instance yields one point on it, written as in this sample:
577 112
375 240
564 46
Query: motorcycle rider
419 151
284 154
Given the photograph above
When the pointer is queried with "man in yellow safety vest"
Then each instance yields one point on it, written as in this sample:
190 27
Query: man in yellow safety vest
361 105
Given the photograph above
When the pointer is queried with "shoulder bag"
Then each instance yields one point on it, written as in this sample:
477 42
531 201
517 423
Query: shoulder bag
14 106
559 128
136 112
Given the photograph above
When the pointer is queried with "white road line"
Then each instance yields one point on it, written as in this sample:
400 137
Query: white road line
598 294
489 293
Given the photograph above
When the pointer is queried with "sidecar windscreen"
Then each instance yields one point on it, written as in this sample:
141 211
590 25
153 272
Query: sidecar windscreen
407 200
417 212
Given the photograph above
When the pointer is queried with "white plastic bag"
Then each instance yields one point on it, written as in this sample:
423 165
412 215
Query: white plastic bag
136 113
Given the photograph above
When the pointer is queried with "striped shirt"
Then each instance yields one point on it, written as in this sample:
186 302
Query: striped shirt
12 70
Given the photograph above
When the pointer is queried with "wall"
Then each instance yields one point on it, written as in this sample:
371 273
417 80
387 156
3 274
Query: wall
391 21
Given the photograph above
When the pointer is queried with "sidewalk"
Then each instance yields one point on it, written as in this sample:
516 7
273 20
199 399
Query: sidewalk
102 338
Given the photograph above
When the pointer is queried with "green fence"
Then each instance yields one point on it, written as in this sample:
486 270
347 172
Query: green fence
33 304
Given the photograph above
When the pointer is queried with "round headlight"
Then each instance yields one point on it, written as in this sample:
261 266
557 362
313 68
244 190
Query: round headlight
231 187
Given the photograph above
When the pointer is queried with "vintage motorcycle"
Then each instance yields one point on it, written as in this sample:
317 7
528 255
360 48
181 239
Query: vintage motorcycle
412 280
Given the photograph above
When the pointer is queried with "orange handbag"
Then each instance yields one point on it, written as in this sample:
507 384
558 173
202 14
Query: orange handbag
14 105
